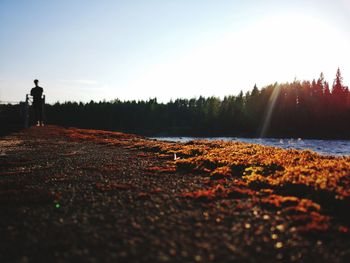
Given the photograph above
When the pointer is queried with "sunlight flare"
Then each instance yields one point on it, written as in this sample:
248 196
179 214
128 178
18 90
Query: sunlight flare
270 109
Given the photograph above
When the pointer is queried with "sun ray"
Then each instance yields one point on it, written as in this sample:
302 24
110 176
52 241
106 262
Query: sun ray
270 108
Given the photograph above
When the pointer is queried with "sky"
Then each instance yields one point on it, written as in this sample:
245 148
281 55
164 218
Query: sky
82 50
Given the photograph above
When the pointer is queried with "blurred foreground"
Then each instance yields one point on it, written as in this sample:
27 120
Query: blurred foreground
91 196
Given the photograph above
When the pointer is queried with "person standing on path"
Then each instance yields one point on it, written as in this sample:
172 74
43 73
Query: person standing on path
37 93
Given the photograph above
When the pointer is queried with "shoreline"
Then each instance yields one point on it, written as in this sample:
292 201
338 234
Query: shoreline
88 195
333 147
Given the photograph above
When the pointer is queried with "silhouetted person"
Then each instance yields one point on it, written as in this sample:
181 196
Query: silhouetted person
37 93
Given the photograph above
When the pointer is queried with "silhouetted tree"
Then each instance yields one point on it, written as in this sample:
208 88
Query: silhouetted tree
297 109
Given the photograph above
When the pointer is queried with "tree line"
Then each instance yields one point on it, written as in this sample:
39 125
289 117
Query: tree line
306 109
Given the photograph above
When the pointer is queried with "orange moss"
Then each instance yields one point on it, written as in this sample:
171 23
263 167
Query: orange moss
294 173
221 172
219 192
143 195
343 229
302 213
146 195
278 201
160 169
68 154
13 173
112 186
310 222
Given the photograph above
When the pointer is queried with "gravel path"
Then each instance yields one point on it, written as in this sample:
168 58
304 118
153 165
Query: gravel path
65 200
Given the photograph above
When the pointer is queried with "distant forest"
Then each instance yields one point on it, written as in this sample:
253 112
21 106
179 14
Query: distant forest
306 109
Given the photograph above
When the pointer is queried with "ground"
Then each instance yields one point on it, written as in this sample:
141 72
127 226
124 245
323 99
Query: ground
70 195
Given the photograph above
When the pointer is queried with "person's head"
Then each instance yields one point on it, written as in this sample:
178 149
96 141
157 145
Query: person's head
36 82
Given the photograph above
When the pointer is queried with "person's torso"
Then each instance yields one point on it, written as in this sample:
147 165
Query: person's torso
37 93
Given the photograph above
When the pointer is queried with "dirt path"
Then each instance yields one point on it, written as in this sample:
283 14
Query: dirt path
69 200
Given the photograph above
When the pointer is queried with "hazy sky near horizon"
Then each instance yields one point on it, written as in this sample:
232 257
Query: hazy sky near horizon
83 50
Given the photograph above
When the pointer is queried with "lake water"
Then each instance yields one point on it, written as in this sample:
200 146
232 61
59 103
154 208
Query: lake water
325 147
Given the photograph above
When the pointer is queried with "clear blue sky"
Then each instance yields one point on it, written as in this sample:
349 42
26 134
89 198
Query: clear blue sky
85 50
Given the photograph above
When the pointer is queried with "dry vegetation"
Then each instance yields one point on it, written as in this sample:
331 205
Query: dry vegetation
146 200
302 184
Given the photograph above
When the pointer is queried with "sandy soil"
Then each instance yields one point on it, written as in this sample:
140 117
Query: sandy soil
69 199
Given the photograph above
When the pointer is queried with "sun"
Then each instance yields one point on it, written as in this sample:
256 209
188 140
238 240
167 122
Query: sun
272 49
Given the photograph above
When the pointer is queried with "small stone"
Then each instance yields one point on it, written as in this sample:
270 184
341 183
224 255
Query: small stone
172 252
280 228
231 247
266 217
184 253
163 258
293 229
198 258
279 245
